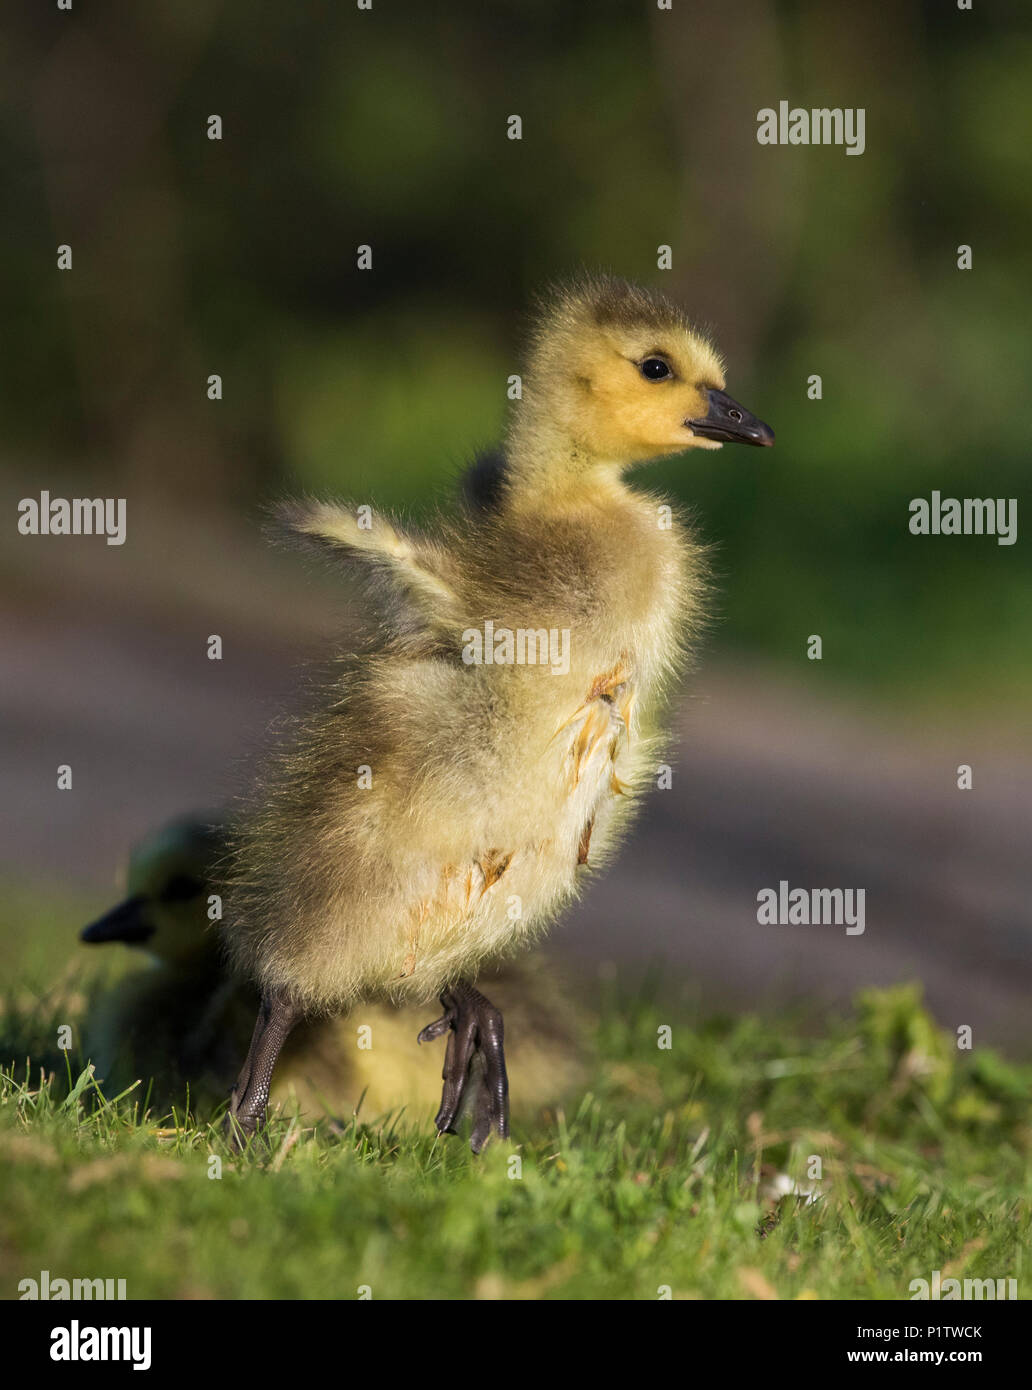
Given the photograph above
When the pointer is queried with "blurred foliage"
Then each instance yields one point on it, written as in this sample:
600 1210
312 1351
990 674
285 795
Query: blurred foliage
387 127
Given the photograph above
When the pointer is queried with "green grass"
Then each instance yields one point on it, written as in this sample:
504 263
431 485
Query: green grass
658 1176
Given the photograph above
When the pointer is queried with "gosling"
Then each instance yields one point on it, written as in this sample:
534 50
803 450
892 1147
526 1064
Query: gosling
184 1018
458 776
173 1021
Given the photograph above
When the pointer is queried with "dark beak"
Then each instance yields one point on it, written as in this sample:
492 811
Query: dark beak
122 923
731 423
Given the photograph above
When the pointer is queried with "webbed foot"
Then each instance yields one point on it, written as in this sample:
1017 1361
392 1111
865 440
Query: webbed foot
473 1062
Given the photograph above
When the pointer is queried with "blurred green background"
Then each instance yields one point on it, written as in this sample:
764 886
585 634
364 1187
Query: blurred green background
388 127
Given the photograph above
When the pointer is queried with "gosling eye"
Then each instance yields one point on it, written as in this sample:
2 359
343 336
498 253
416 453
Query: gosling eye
655 369
180 889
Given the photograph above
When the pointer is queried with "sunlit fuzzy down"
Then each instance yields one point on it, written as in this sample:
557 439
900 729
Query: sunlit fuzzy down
492 790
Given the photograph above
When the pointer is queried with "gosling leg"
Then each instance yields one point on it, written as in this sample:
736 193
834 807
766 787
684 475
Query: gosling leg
250 1096
474 1061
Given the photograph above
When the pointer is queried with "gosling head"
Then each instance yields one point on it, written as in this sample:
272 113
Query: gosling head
165 910
623 376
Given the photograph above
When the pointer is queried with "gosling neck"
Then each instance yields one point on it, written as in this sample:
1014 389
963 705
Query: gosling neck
549 469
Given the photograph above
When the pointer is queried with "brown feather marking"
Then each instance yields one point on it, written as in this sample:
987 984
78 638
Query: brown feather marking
606 683
580 748
585 842
625 704
610 688
602 688
493 863
617 787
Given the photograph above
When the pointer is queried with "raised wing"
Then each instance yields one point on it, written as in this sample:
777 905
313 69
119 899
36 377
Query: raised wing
412 576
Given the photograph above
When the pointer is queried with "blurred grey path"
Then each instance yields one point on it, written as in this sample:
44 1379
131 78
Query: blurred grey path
773 783
772 780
